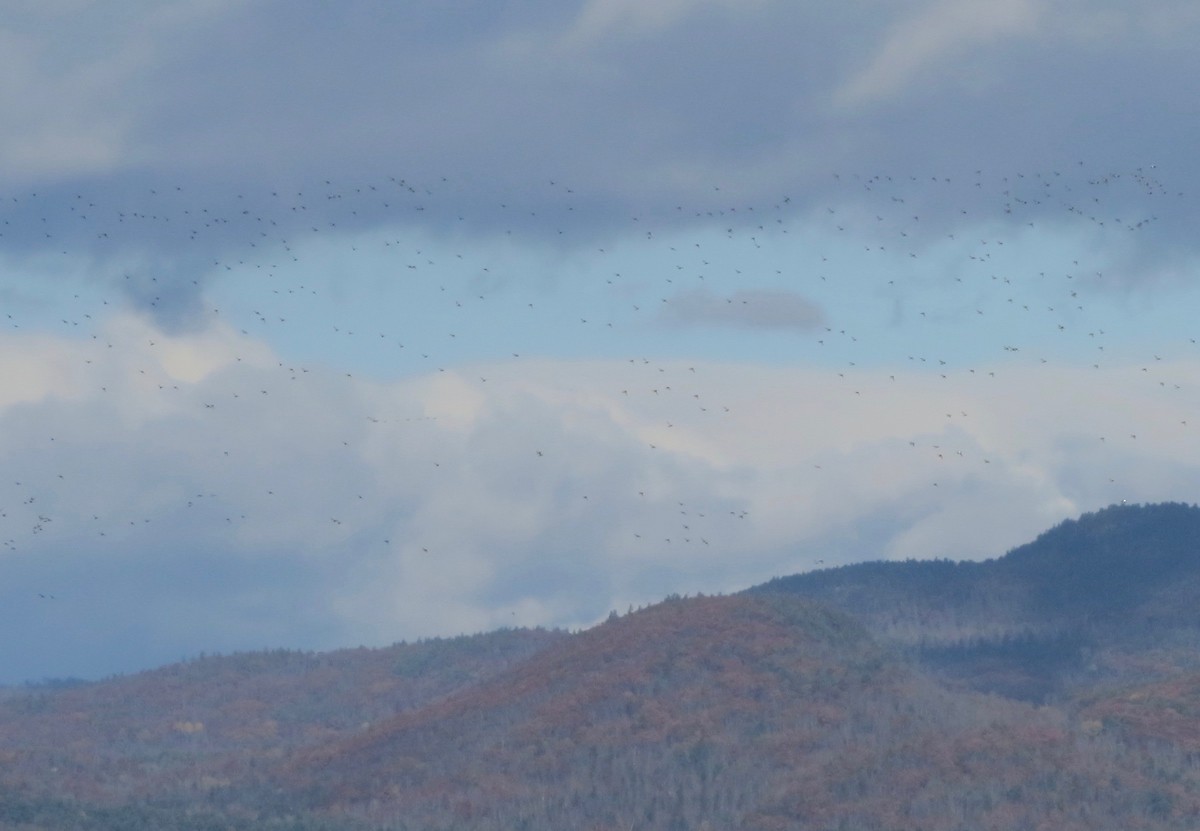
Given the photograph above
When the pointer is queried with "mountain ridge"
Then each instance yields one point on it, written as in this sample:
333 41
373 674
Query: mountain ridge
1083 595
921 695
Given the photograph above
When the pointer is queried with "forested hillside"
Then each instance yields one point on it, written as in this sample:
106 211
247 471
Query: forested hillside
1053 687
754 712
1106 598
197 727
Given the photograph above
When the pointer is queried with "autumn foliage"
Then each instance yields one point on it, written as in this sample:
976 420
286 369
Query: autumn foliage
882 697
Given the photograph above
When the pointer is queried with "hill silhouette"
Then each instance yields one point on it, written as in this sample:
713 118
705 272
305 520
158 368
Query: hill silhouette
194 727
645 719
1056 686
1078 606
757 711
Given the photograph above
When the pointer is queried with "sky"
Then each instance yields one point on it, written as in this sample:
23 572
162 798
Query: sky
326 325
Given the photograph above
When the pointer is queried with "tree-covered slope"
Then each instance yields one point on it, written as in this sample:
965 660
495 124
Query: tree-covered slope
1063 610
855 698
745 712
202 725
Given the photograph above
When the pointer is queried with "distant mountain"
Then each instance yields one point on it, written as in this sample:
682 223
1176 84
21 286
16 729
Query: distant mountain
759 711
194 727
1080 605
1057 686
672 716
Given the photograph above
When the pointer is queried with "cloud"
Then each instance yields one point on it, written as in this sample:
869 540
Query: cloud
935 35
201 117
209 194
606 18
54 124
187 492
747 308
68 70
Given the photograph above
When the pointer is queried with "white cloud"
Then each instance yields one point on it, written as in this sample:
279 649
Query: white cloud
547 494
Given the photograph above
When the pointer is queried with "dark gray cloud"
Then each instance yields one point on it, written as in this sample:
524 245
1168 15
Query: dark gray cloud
166 143
704 105
749 308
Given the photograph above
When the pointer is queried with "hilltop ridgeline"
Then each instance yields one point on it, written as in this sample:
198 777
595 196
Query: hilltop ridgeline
1065 610
1056 684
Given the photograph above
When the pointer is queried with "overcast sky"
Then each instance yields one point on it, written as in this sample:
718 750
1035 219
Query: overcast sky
340 324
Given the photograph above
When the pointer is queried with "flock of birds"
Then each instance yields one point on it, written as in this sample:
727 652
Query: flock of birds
246 261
